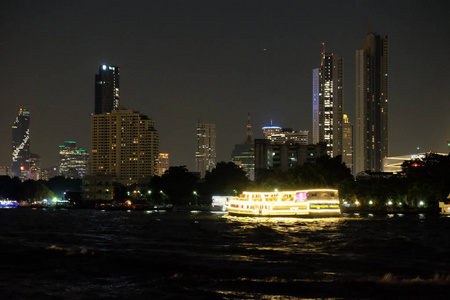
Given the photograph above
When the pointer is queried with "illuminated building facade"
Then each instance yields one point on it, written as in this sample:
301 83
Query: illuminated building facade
125 145
393 164
35 167
270 156
347 143
205 156
21 145
5 171
163 163
48 173
280 135
328 94
372 104
73 161
283 149
107 89
243 154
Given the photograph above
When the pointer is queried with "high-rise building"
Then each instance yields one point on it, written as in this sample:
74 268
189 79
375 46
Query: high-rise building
107 89
163 163
49 173
205 156
328 94
243 154
21 145
125 145
372 103
280 135
73 161
347 143
35 167
284 156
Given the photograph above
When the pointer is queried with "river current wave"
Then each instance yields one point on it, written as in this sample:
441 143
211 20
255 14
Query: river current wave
92 254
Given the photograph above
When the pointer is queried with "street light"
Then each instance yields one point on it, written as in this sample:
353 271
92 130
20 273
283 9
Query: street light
195 193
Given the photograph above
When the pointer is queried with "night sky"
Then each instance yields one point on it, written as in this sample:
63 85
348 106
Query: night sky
215 61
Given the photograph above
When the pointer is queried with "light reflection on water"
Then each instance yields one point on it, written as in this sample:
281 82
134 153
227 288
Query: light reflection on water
168 254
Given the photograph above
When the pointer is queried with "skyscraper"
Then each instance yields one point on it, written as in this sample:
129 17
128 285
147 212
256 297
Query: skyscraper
21 144
125 145
372 103
73 160
205 156
328 94
107 89
243 154
347 143
163 163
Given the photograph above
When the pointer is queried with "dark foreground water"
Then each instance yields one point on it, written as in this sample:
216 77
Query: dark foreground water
88 254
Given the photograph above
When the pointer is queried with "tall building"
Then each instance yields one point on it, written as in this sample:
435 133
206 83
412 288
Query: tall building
372 103
73 161
125 145
205 156
21 145
35 167
107 89
284 156
347 143
49 173
328 94
163 163
280 135
243 154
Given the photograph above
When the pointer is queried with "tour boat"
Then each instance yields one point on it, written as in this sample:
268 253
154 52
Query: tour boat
315 202
8 204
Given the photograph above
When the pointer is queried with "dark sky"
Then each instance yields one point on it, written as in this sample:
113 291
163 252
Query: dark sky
181 61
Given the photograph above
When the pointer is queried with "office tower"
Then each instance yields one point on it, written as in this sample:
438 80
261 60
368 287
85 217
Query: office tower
284 149
49 173
328 94
282 157
280 135
243 154
35 167
163 163
347 143
73 160
205 156
125 145
372 103
107 89
21 144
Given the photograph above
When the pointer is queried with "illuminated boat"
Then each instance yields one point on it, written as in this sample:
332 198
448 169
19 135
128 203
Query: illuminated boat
8 204
317 202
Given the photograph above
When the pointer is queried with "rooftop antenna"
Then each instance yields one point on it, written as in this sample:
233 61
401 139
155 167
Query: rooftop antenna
249 139
323 54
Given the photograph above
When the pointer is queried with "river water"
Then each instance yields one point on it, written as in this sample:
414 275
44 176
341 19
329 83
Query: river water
93 254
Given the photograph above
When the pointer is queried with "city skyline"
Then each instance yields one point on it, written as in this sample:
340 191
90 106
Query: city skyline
184 61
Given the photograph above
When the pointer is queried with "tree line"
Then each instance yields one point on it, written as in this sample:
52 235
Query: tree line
423 182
